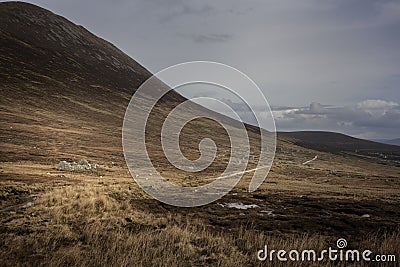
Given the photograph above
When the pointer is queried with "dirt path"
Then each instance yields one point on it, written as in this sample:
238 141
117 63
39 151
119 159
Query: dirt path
311 160
28 202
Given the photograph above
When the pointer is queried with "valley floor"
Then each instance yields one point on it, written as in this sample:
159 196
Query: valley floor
102 218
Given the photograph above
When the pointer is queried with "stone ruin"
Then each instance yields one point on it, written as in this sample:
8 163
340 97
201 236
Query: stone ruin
82 165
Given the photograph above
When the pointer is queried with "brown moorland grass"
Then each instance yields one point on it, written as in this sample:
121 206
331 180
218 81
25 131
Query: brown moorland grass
84 220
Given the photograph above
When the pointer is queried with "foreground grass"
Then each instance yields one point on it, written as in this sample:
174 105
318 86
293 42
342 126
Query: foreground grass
83 220
85 225
184 244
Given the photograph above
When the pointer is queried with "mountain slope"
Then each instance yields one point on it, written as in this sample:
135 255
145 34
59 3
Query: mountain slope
35 40
63 90
64 93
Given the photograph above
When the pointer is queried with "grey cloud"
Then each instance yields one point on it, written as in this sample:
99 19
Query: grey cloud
208 38
241 12
374 118
183 8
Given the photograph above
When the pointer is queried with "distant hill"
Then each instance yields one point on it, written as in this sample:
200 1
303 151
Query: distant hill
389 141
339 142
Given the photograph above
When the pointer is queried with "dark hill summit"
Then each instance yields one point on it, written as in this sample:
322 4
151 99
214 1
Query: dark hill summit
42 47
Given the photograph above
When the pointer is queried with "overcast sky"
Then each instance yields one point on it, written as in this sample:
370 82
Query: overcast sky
323 65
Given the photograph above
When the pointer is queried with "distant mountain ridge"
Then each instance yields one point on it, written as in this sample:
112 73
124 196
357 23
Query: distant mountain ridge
338 141
395 141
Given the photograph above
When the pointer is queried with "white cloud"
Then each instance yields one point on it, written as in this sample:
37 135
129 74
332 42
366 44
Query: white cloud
377 104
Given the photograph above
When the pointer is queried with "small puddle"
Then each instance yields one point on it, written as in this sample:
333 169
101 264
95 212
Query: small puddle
239 206
267 212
